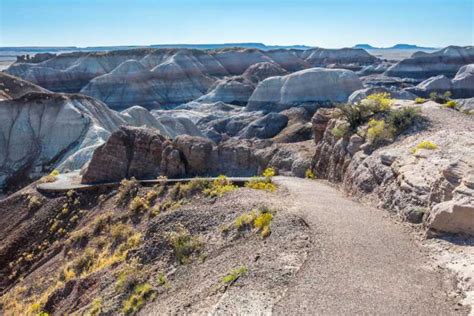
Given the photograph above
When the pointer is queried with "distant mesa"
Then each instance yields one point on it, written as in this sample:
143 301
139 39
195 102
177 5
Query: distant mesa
397 46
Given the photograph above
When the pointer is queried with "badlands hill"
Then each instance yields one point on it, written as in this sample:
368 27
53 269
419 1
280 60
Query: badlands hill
167 76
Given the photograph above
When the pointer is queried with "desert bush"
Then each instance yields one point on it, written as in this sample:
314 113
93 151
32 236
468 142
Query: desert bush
127 190
130 276
451 104
378 102
426 144
440 98
161 280
377 131
140 295
400 119
184 244
119 233
193 187
265 184
95 308
34 202
84 262
138 205
355 115
258 219
235 274
339 131
219 187
102 222
309 174
420 100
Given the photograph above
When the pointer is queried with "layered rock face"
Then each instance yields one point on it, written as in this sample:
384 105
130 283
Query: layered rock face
145 154
156 77
12 87
435 184
40 130
424 65
315 85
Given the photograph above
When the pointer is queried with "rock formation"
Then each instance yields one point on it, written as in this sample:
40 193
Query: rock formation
145 154
433 184
41 130
316 85
425 65
155 77
463 82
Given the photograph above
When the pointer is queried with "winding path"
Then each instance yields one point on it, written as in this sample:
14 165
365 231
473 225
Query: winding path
361 262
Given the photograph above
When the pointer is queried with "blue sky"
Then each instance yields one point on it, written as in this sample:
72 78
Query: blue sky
324 23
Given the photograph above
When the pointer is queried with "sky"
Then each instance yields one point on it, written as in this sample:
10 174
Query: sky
323 23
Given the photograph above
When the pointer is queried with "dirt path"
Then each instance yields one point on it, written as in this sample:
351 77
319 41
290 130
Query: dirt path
361 261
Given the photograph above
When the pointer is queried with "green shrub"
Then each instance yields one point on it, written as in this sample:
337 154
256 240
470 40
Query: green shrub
309 174
378 102
219 187
194 186
451 104
127 190
95 309
140 295
400 119
440 98
184 244
426 144
234 275
265 184
258 219
420 100
339 131
139 205
377 131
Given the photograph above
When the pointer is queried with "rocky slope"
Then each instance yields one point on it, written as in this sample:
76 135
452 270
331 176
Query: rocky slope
424 65
182 253
155 77
433 184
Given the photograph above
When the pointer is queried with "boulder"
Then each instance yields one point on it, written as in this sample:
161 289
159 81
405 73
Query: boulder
311 85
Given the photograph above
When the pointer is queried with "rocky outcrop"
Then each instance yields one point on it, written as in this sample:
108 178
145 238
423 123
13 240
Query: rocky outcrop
463 82
317 85
425 65
266 127
433 184
41 130
12 87
145 154
350 58
438 84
